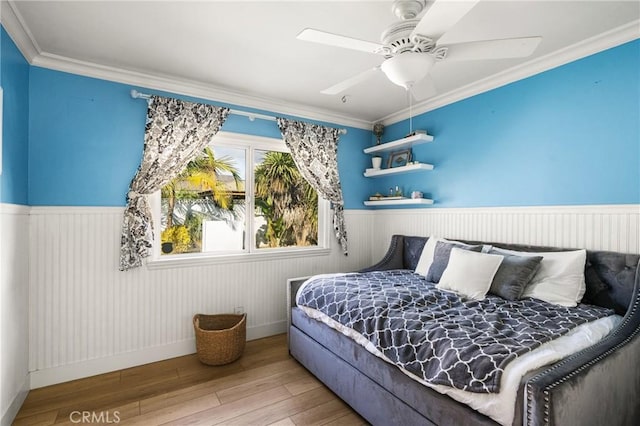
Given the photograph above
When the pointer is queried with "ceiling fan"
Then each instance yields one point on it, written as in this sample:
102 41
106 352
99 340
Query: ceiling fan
411 46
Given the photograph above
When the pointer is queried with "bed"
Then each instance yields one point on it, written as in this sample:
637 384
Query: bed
597 384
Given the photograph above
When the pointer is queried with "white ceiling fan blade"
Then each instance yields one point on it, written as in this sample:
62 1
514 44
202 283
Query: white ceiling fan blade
350 82
442 16
493 49
322 37
423 89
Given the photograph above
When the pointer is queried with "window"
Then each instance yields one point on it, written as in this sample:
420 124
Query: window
242 195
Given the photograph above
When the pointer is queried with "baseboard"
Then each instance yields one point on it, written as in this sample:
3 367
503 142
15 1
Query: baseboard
12 411
265 330
80 370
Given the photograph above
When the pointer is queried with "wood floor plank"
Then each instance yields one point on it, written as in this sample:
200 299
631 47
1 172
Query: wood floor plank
173 412
147 374
285 408
179 396
44 393
324 413
261 385
351 419
284 422
119 396
40 419
198 371
224 384
265 386
70 401
223 413
304 384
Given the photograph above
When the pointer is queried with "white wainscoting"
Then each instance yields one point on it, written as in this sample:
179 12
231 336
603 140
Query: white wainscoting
615 228
86 317
14 307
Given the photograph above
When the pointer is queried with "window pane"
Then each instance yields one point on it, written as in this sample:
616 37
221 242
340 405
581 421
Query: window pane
203 209
286 207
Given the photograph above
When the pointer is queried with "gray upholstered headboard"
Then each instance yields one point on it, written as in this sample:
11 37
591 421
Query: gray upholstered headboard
611 277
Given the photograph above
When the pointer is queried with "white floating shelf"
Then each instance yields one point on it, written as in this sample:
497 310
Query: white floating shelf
404 169
403 201
400 143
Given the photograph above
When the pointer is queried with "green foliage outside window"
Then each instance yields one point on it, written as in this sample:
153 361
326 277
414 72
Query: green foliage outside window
286 201
199 194
211 189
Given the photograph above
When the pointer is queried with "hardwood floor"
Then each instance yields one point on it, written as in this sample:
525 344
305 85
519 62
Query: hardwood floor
264 387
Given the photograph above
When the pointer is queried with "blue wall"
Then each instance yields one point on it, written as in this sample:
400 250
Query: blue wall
567 136
87 137
570 135
14 71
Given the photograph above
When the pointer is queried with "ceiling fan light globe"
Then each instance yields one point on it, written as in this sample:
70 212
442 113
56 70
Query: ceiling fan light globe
407 68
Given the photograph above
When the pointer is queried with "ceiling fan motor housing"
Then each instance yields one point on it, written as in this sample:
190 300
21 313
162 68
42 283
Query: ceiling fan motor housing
398 39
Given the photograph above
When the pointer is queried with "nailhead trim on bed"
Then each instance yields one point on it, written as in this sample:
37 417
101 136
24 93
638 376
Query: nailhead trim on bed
630 316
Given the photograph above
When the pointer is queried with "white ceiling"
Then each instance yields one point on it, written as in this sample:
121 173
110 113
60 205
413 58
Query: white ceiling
250 49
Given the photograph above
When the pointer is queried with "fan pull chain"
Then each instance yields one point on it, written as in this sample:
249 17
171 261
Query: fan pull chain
410 110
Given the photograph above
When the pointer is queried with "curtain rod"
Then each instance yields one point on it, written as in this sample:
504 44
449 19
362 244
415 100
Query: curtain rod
252 115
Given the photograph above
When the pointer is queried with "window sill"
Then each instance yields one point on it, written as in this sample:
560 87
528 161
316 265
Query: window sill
206 259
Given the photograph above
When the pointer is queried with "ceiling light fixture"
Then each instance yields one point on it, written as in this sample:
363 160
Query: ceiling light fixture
407 68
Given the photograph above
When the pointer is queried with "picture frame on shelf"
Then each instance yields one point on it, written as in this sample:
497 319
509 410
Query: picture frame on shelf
399 158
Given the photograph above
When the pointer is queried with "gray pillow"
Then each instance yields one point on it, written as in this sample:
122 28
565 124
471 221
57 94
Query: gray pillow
441 258
513 275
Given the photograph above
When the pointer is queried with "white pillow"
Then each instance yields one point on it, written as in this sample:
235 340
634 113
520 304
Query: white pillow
470 273
560 278
426 257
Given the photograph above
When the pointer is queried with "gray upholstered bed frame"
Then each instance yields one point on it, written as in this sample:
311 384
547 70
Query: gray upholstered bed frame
596 386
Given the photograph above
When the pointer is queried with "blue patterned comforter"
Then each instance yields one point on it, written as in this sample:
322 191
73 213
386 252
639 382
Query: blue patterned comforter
437 335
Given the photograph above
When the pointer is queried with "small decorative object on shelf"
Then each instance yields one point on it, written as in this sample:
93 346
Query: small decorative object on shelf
416 132
379 197
378 131
416 194
399 159
376 162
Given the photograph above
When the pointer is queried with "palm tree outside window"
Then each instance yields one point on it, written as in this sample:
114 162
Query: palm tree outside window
238 198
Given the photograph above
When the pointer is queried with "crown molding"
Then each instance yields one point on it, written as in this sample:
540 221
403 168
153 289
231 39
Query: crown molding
590 46
185 87
15 26
18 30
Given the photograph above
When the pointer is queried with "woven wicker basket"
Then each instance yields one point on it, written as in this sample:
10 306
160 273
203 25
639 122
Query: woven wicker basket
220 338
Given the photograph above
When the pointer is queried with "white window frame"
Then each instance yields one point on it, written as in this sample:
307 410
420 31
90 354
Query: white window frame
250 253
